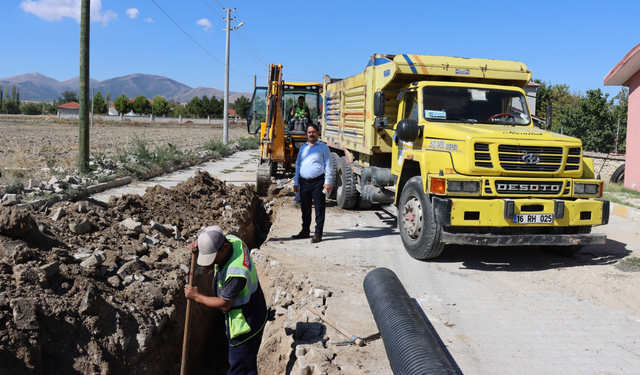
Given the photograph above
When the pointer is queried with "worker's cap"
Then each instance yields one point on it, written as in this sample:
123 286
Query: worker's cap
210 241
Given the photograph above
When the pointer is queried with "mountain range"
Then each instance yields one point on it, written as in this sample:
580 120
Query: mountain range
35 86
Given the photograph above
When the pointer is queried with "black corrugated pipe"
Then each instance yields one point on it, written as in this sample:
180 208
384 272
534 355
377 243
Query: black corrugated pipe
411 347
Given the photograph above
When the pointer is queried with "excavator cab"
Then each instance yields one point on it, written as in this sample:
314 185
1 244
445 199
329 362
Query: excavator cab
281 135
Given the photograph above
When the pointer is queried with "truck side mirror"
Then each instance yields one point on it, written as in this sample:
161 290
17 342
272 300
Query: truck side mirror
378 104
549 116
408 130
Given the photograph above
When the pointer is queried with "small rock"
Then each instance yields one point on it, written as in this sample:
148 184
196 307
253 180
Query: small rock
84 226
130 268
94 260
24 313
81 207
50 269
320 293
58 214
131 224
34 183
115 282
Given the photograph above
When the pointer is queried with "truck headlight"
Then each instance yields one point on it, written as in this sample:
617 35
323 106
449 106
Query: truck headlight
586 188
454 186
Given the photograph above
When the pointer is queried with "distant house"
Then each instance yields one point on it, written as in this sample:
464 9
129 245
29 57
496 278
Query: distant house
233 115
69 110
112 110
627 73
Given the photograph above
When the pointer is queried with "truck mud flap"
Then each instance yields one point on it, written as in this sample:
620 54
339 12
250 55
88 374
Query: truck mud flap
523 239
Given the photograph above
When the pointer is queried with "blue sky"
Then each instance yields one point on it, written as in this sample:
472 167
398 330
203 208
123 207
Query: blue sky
561 41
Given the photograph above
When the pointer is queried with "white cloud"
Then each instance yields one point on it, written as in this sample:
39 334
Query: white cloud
208 26
132 12
56 10
149 20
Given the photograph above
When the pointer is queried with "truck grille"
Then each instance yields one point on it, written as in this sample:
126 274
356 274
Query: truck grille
528 187
512 158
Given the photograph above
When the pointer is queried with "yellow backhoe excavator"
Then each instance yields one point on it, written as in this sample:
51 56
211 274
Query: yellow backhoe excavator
281 133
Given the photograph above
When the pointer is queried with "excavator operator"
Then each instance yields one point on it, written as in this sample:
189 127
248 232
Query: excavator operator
299 112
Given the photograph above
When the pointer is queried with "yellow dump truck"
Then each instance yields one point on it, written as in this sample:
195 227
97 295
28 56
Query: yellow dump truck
450 141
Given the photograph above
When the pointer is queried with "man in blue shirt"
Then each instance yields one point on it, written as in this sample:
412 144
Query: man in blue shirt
313 181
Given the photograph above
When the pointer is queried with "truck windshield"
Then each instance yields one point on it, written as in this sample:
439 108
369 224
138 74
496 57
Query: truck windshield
475 105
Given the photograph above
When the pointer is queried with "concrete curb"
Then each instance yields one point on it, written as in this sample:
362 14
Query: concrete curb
624 212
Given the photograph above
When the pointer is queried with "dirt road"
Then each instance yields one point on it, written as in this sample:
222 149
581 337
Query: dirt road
497 310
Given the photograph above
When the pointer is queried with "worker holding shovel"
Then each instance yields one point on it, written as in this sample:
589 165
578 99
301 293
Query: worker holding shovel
238 294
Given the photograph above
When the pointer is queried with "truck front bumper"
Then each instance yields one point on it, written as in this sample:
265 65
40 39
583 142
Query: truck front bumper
523 239
470 212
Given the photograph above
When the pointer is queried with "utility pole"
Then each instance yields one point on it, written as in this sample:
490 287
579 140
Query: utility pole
83 149
225 126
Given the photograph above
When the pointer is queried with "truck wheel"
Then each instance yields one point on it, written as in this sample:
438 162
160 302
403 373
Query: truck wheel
419 232
618 174
335 159
565 251
346 192
363 204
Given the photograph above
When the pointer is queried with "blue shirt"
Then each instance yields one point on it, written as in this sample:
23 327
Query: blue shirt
313 160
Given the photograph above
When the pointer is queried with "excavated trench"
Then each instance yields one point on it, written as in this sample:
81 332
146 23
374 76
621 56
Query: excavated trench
94 288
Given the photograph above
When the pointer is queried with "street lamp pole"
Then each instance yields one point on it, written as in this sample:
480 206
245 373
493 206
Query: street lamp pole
225 127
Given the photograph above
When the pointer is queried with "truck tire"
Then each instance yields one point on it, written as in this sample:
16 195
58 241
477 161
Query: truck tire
363 204
618 174
346 192
566 251
416 222
335 159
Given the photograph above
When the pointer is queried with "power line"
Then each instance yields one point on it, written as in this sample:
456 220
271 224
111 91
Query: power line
193 40
213 9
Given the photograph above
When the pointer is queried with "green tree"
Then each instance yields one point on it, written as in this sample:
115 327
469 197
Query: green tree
31 109
108 99
141 105
68 96
194 107
555 95
241 106
53 107
217 107
160 106
178 110
122 104
99 105
592 120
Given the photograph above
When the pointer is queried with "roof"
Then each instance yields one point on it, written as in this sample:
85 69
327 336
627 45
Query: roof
70 105
232 111
625 69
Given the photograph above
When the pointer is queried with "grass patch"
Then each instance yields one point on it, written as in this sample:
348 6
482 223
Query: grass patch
217 148
249 143
141 157
617 193
629 264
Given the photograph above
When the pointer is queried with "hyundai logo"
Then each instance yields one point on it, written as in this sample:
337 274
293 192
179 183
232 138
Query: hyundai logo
530 158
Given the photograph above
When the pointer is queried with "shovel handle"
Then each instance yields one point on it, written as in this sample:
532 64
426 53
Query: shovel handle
185 340
358 341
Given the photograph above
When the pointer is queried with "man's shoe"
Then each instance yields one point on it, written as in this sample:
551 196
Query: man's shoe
300 235
316 238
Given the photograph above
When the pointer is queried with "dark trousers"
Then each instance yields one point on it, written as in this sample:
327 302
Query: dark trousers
311 193
243 358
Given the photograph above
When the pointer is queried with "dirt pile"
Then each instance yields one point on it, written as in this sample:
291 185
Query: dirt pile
88 287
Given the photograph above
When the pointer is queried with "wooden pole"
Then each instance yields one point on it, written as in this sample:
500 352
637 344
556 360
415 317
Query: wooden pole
185 339
83 95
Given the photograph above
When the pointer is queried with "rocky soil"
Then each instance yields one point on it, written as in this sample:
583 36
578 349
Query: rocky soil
95 288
